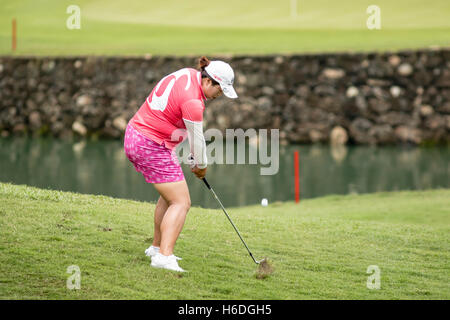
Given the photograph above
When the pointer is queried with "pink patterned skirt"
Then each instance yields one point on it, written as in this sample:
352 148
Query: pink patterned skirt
157 163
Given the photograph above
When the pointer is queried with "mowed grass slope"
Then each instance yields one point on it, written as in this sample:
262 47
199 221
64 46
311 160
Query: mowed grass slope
320 249
178 27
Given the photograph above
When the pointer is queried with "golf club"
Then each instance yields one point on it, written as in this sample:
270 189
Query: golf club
237 231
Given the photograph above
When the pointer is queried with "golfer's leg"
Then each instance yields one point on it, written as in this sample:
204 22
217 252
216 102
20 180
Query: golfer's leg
160 210
176 194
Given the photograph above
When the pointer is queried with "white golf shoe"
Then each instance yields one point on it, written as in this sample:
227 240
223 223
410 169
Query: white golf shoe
152 251
166 262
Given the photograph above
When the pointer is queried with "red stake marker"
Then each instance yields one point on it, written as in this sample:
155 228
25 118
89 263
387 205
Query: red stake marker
297 177
14 27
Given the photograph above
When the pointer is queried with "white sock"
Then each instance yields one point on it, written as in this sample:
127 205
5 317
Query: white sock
156 248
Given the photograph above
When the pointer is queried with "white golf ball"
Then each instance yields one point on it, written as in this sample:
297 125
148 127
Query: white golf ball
264 202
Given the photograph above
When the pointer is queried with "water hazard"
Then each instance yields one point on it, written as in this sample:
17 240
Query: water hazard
100 167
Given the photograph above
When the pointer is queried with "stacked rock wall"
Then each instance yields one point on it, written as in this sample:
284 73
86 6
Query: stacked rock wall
376 98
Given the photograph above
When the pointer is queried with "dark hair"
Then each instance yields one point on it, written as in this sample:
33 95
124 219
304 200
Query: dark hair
203 62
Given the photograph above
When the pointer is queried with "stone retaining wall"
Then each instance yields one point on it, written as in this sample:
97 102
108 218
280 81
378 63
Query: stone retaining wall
384 98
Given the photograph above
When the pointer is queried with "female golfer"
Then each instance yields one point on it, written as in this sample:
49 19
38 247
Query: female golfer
172 111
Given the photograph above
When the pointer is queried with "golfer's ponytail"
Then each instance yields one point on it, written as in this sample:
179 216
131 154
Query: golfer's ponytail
202 63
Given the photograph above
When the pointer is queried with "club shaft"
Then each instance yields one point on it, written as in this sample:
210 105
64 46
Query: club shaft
229 219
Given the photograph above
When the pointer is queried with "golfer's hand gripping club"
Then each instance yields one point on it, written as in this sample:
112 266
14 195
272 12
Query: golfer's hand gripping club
199 173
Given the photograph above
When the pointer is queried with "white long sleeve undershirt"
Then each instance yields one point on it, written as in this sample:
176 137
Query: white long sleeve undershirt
197 142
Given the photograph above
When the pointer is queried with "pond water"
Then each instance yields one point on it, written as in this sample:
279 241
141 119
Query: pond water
101 167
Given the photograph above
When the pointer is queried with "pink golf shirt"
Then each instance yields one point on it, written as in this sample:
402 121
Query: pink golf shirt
177 96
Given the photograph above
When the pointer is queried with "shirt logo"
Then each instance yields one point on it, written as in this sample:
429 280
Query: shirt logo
160 102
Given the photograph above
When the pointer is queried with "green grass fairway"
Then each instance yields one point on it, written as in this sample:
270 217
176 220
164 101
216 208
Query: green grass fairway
194 27
320 249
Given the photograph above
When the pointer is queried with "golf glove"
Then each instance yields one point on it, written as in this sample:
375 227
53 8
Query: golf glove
191 161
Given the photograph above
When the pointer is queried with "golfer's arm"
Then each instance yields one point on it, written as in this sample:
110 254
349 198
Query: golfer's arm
197 142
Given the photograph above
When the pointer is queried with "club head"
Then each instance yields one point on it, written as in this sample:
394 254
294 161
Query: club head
264 269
